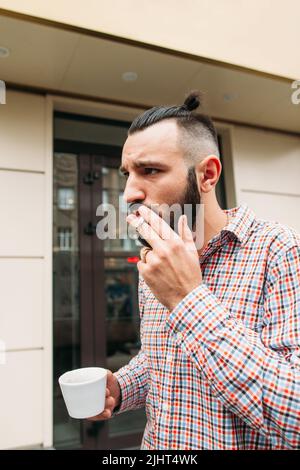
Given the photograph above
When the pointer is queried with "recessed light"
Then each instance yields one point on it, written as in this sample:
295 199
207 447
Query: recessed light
129 76
4 52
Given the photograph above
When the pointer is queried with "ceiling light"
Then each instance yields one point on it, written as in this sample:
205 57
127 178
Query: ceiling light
129 76
4 52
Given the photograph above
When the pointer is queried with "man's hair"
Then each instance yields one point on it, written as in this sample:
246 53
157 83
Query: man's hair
198 137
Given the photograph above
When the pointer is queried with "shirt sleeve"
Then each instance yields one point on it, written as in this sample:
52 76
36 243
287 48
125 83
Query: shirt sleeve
134 377
255 375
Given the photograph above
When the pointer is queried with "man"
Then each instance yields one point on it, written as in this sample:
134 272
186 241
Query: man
219 365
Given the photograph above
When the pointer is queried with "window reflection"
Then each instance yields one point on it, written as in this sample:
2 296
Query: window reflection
112 193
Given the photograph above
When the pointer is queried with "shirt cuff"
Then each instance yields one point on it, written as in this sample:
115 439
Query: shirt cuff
129 392
198 320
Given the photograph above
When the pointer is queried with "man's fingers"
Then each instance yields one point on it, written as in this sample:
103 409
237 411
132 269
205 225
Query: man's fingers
145 231
104 415
107 412
180 227
159 225
110 402
185 232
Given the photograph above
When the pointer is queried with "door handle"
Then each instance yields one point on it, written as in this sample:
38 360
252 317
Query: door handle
88 178
90 229
91 176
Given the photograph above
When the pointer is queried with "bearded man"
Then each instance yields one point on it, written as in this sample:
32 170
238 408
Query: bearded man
219 364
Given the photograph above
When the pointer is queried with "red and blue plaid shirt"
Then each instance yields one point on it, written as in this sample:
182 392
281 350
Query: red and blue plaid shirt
222 369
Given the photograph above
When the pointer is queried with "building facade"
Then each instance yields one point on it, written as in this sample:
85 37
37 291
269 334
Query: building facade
67 299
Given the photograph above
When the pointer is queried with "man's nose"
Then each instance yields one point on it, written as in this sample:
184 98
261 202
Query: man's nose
133 192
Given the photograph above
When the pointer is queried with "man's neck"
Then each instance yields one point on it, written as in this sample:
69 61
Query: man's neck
215 219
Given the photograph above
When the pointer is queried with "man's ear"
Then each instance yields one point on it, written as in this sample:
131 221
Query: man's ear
208 172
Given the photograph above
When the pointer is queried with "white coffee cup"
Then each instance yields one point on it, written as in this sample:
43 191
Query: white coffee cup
84 391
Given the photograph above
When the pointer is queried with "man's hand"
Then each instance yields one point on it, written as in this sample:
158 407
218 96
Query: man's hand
113 394
172 267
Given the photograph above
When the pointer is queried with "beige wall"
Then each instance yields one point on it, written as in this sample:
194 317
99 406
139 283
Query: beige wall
259 34
266 172
23 273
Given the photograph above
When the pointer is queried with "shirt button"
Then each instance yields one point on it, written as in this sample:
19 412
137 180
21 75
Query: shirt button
169 358
165 406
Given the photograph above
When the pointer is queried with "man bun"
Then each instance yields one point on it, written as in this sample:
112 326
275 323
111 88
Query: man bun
192 101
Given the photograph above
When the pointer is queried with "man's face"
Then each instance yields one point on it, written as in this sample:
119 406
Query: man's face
156 172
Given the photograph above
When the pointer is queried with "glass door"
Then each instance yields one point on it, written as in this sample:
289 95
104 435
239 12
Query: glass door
122 315
66 299
96 318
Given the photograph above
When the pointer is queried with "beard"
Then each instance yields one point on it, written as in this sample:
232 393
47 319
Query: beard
189 199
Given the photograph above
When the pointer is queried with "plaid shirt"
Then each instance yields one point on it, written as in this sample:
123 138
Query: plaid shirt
222 369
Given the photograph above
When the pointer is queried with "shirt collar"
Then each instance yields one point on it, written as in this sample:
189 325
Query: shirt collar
239 226
242 218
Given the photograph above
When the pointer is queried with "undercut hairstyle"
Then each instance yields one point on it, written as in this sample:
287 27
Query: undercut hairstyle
197 137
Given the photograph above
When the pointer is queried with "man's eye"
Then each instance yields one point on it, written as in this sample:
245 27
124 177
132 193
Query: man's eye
151 171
